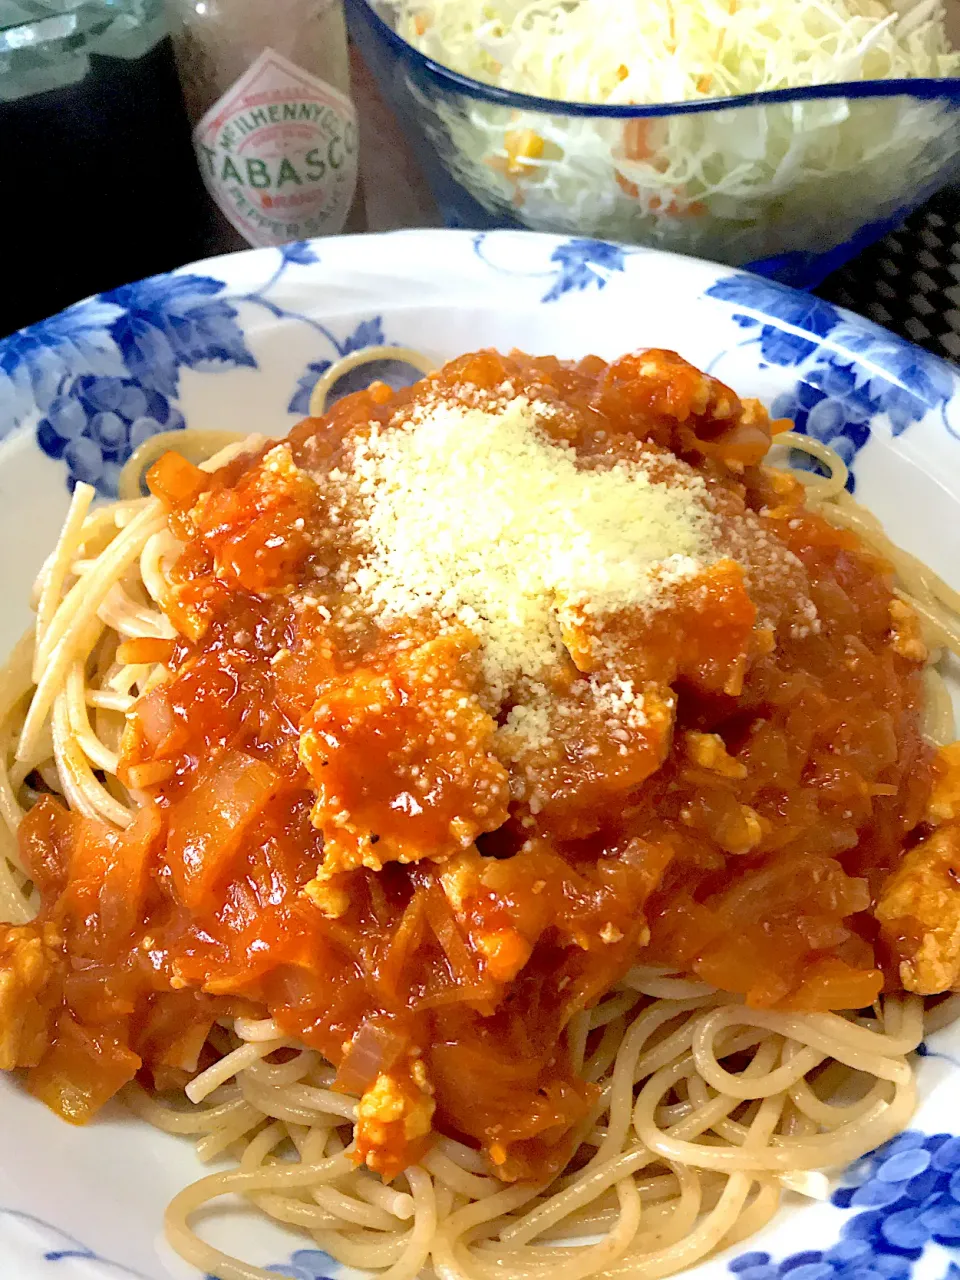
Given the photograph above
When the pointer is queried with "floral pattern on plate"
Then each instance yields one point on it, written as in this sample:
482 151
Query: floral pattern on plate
907 1200
248 335
851 372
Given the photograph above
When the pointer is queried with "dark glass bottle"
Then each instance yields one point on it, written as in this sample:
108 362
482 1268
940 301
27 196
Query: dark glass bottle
98 183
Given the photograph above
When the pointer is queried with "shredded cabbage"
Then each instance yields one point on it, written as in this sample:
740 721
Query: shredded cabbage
648 51
733 183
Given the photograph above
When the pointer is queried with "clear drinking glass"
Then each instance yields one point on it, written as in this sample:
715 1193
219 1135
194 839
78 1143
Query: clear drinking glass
99 181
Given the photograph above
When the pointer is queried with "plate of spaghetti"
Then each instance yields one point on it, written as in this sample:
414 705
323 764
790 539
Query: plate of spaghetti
480 790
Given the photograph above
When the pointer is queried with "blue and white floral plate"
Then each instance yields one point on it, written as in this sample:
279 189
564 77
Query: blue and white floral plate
237 343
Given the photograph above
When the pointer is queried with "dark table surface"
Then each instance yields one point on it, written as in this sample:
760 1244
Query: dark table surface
910 282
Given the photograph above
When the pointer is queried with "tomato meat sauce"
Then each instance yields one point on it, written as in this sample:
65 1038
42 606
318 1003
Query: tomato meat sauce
335 831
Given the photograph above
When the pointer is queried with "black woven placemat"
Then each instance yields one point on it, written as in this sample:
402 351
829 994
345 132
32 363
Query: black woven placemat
910 282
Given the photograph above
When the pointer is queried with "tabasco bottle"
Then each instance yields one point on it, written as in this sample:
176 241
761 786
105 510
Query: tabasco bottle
267 90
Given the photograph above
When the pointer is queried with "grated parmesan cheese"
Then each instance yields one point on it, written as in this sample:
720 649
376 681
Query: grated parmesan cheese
531 723
474 513
620 701
527 723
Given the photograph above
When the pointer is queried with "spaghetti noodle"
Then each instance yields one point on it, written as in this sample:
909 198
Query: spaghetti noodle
699 1110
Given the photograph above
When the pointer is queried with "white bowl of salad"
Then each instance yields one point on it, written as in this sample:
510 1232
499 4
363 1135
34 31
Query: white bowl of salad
781 134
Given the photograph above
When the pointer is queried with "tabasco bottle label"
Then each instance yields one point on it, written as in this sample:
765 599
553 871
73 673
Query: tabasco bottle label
278 153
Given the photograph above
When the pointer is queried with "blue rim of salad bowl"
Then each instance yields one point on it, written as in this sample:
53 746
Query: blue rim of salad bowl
923 88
